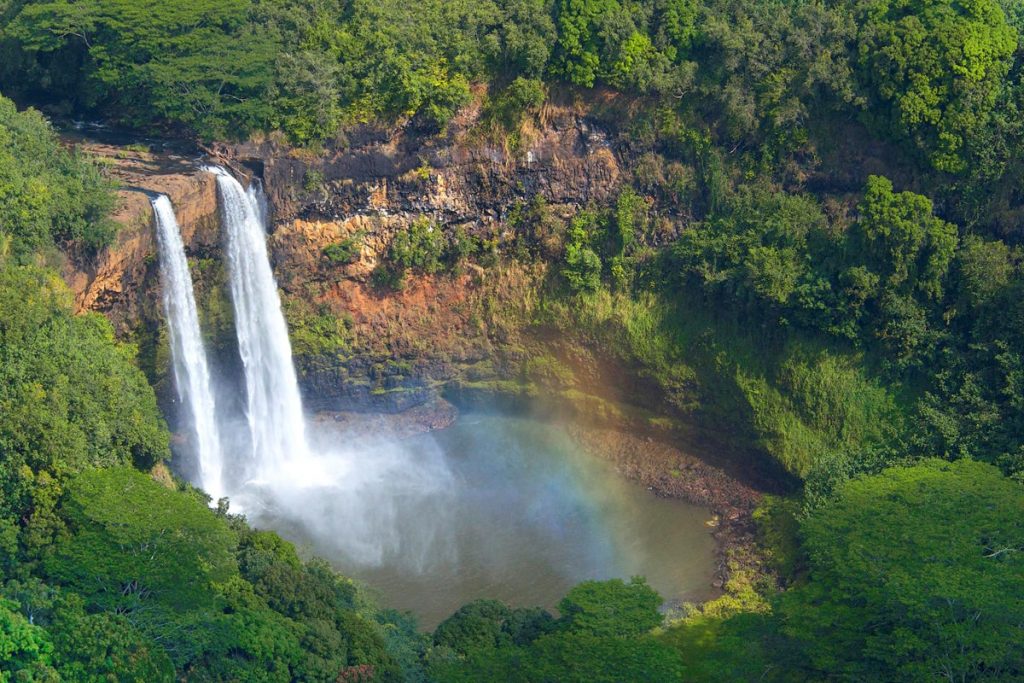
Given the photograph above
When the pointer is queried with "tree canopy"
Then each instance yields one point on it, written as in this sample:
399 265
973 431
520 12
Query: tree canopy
46 192
915 576
71 396
939 66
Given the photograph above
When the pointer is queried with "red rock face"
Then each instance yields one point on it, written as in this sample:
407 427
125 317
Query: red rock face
115 280
400 345
374 186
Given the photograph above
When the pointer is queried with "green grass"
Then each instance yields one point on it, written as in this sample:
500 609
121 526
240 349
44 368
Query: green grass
785 394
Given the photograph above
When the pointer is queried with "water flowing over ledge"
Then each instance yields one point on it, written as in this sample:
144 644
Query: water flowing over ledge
488 508
274 413
384 505
191 368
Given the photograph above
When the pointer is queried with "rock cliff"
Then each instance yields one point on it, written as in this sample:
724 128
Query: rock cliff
360 344
121 278
468 333
400 345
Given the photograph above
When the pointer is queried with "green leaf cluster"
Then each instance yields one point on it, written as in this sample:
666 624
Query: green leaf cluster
71 397
47 193
204 65
938 66
602 636
915 575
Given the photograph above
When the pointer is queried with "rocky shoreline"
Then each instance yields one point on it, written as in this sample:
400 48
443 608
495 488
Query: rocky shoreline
668 470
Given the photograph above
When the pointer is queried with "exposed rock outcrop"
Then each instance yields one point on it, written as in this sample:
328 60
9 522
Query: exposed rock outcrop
402 346
455 179
466 334
117 280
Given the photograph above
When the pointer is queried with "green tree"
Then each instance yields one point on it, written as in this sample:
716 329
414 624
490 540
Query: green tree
578 59
201 64
520 44
25 649
602 637
939 66
94 648
757 249
674 24
587 658
47 193
611 608
905 243
915 576
984 269
70 395
489 624
631 46
132 540
768 70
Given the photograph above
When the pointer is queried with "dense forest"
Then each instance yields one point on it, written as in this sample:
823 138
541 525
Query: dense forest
861 325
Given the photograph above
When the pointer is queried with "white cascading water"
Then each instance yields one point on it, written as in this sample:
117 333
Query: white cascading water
365 497
274 412
191 370
258 198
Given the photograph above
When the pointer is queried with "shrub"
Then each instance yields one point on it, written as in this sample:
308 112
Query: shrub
582 269
344 252
522 95
420 247
313 181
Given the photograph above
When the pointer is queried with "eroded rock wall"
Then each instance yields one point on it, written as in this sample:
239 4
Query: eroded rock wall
467 325
120 281
358 344
469 333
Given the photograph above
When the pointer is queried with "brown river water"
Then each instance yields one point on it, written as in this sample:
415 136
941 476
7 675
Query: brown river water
519 513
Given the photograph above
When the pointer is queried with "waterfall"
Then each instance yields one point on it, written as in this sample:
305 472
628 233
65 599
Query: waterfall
274 411
258 198
191 370
367 497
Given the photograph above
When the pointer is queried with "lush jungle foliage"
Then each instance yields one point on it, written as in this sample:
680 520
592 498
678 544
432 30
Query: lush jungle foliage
107 574
912 574
932 73
47 193
816 247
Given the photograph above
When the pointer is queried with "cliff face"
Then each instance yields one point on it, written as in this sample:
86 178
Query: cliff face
374 186
357 343
471 332
466 331
121 280
400 345
458 178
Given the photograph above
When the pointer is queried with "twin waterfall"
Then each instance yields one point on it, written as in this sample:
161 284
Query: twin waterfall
276 423
365 497
191 370
274 408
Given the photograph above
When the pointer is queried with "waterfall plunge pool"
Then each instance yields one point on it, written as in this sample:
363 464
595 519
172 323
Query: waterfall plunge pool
492 507
498 507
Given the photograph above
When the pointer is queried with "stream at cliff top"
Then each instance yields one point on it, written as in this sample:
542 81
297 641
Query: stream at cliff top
526 516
